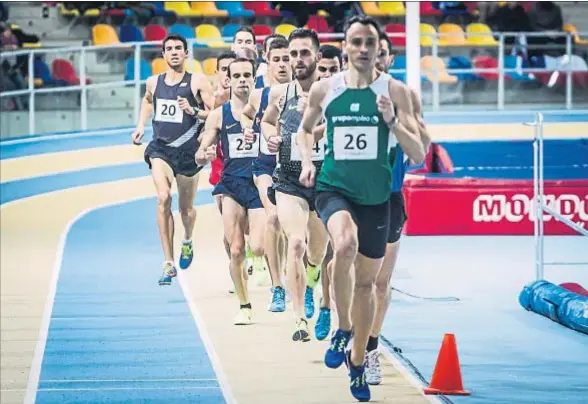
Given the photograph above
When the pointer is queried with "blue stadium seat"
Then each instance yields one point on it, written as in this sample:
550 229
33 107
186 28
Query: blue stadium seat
144 69
399 63
160 10
510 62
234 8
461 62
229 30
182 29
130 33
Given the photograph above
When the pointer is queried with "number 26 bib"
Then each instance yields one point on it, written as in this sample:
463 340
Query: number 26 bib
355 143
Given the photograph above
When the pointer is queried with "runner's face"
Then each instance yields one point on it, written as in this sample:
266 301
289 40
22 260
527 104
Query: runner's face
303 57
385 58
327 67
222 74
362 46
243 39
174 53
241 78
278 63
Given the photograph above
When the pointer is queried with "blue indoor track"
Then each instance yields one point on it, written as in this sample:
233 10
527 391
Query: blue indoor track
468 286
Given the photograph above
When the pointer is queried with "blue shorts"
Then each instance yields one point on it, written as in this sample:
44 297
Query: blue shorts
264 164
241 190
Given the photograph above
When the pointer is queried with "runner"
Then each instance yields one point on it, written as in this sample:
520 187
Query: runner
179 102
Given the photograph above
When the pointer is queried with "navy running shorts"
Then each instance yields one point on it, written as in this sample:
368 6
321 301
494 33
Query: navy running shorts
182 160
242 190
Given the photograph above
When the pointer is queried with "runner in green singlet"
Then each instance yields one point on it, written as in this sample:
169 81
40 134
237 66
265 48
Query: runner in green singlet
367 116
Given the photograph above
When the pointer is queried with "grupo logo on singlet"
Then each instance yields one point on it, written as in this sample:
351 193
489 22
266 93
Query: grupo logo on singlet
374 119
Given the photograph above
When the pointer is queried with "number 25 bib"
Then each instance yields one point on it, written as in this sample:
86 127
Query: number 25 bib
239 149
168 111
355 143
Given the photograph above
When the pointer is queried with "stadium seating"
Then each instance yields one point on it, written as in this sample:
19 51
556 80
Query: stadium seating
451 35
260 9
144 69
234 9
182 29
208 9
285 29
103 34
211 36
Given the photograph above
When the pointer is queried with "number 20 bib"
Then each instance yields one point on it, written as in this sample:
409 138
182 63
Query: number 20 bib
168 111
355 143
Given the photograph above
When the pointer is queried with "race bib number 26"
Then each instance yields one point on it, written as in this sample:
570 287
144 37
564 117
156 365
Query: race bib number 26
168 111
355 143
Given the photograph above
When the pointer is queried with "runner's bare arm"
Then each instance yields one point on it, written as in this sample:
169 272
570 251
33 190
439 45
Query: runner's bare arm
209 136
248 114
418 113
406 128
319 131
307 136
147 102
269 123
201 85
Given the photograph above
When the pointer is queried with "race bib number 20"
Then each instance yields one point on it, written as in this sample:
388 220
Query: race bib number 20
168 111
355 143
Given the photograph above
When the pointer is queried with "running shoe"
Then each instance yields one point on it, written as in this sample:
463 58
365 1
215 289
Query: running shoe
373 370
323 324
309 302
187 255
169 272
335 355
301 332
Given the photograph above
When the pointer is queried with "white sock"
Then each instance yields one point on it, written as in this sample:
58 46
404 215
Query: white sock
186 241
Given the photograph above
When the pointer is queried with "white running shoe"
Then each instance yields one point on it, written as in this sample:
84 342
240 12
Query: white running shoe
373 371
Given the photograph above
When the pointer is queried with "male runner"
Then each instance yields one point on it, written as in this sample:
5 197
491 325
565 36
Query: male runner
264 79
367 114
178 99
244 38
240 201
279 71
329 65
373 372
294 202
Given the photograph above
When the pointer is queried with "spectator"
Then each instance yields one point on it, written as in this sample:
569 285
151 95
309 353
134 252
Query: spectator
509 18
546 17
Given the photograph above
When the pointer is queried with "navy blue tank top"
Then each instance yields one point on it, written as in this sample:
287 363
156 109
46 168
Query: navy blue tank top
238 155
170 124
263 151
259 82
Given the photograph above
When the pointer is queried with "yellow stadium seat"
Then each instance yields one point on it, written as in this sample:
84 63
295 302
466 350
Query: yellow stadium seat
451 35
193 66
31 45
210 35
285 29
428 63
371 8
68 13
181 8
209 66
392 7
158 66
92 12
427 40
332 43
208 9
322 13
480 34
572 30
103 34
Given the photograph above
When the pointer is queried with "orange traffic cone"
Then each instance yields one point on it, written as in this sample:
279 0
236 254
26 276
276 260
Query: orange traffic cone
446 378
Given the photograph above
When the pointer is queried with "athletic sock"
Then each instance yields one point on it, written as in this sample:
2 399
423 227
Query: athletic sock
372 344
246 306
186 241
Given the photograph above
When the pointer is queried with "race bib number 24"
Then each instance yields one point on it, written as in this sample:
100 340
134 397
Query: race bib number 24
355 143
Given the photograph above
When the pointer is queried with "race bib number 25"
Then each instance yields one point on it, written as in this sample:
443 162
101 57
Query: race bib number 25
168 111
355 143
239 149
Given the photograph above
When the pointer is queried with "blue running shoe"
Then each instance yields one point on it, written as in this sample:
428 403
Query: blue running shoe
169 272
335 355
309 302
278 303
323 324
360 390
187 254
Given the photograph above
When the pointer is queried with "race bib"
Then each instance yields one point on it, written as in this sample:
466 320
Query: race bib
239 149
355 143
263 145
168 111
317 154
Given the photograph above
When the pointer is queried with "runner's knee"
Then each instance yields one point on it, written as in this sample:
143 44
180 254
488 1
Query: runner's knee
164 200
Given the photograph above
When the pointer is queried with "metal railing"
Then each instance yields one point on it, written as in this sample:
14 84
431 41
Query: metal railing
540 207
138 48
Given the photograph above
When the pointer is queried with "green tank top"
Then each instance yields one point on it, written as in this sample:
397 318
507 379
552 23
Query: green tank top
358 163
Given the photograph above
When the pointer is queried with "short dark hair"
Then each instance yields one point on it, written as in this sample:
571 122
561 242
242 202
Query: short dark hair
225 55
245 28
175 37
363 20
384 37
301 33
331 52
241 60
268 40
278 43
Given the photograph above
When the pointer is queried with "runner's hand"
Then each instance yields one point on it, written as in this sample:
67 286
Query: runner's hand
385 108
307 174
185 106
249 135
137 136
273 144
